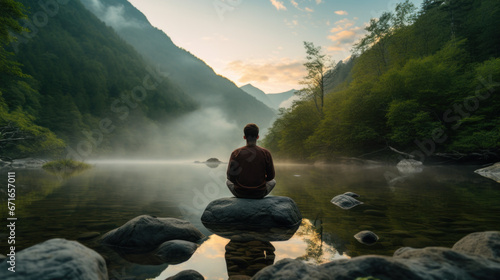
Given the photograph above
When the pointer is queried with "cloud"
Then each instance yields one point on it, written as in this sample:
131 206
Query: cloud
342 13
283 71
319 2
309 10
278 5
113 16
344 35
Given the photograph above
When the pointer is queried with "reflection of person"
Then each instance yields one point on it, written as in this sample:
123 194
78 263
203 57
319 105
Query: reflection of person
245 259
250 173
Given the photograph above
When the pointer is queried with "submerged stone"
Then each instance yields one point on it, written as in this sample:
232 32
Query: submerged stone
366 237
145 233
345 202
268 212
56 259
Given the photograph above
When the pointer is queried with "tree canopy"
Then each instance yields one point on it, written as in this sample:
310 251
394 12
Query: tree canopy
424 82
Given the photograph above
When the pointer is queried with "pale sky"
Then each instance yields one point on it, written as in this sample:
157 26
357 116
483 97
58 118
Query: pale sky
261 41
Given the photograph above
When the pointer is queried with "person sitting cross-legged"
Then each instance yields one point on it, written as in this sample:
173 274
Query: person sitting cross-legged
250 172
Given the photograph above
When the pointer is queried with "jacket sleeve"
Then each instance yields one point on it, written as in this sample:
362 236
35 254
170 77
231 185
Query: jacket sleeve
269 167
233 168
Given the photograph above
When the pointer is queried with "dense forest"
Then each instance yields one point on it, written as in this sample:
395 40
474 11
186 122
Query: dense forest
423 82
73 84
68 79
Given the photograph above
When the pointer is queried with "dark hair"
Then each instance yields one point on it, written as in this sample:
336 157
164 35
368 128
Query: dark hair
251 131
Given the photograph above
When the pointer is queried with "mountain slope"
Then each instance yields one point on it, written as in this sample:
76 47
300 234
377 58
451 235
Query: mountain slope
195 77
272 100
83 76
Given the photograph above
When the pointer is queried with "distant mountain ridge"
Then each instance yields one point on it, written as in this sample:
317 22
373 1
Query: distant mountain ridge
194 76
272 100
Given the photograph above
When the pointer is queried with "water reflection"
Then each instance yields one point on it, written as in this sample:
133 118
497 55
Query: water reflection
245 258
435 207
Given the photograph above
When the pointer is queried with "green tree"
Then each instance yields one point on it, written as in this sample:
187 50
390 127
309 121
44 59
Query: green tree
317 65
10 12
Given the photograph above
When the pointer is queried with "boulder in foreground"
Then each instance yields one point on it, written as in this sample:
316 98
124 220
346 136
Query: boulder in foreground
56 259
145 233
269 212
407 263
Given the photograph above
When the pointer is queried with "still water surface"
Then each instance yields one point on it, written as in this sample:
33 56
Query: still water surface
434 207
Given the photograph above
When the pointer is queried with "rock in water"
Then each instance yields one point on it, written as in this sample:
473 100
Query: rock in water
345 201
145 233
407 263
492 172
187 275
176 251
484 244
269 212
56 259
409 166
366 237
351 194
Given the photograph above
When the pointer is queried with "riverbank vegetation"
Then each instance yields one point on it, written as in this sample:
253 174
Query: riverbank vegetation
75 81
424 82
66 167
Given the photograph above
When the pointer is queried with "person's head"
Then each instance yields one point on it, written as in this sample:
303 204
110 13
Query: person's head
251 132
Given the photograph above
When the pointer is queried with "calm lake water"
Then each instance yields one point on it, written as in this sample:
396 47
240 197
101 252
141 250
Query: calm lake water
434 207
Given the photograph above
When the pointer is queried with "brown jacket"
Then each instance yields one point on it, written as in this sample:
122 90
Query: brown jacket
250 168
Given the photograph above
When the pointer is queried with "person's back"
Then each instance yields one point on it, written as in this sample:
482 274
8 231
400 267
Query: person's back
250 171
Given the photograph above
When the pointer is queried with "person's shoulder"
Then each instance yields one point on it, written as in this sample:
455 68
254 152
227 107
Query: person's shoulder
237 150
263 149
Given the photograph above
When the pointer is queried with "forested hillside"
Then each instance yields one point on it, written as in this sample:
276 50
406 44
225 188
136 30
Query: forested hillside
69 75
424 82
195 77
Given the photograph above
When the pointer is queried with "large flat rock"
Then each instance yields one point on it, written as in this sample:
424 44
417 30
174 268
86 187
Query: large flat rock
269 212
145 233
56 259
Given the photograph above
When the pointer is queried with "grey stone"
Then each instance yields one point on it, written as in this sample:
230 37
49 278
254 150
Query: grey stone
351 194
484 244
407 263
145 233
345 202
366 237
56 259
409 166
492 172
247 233
187 275
176 251
268 212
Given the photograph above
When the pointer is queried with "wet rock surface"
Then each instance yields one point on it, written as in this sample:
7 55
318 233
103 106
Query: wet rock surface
187 275
268 212
345 202
145 233
463 261
56 259
366 237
